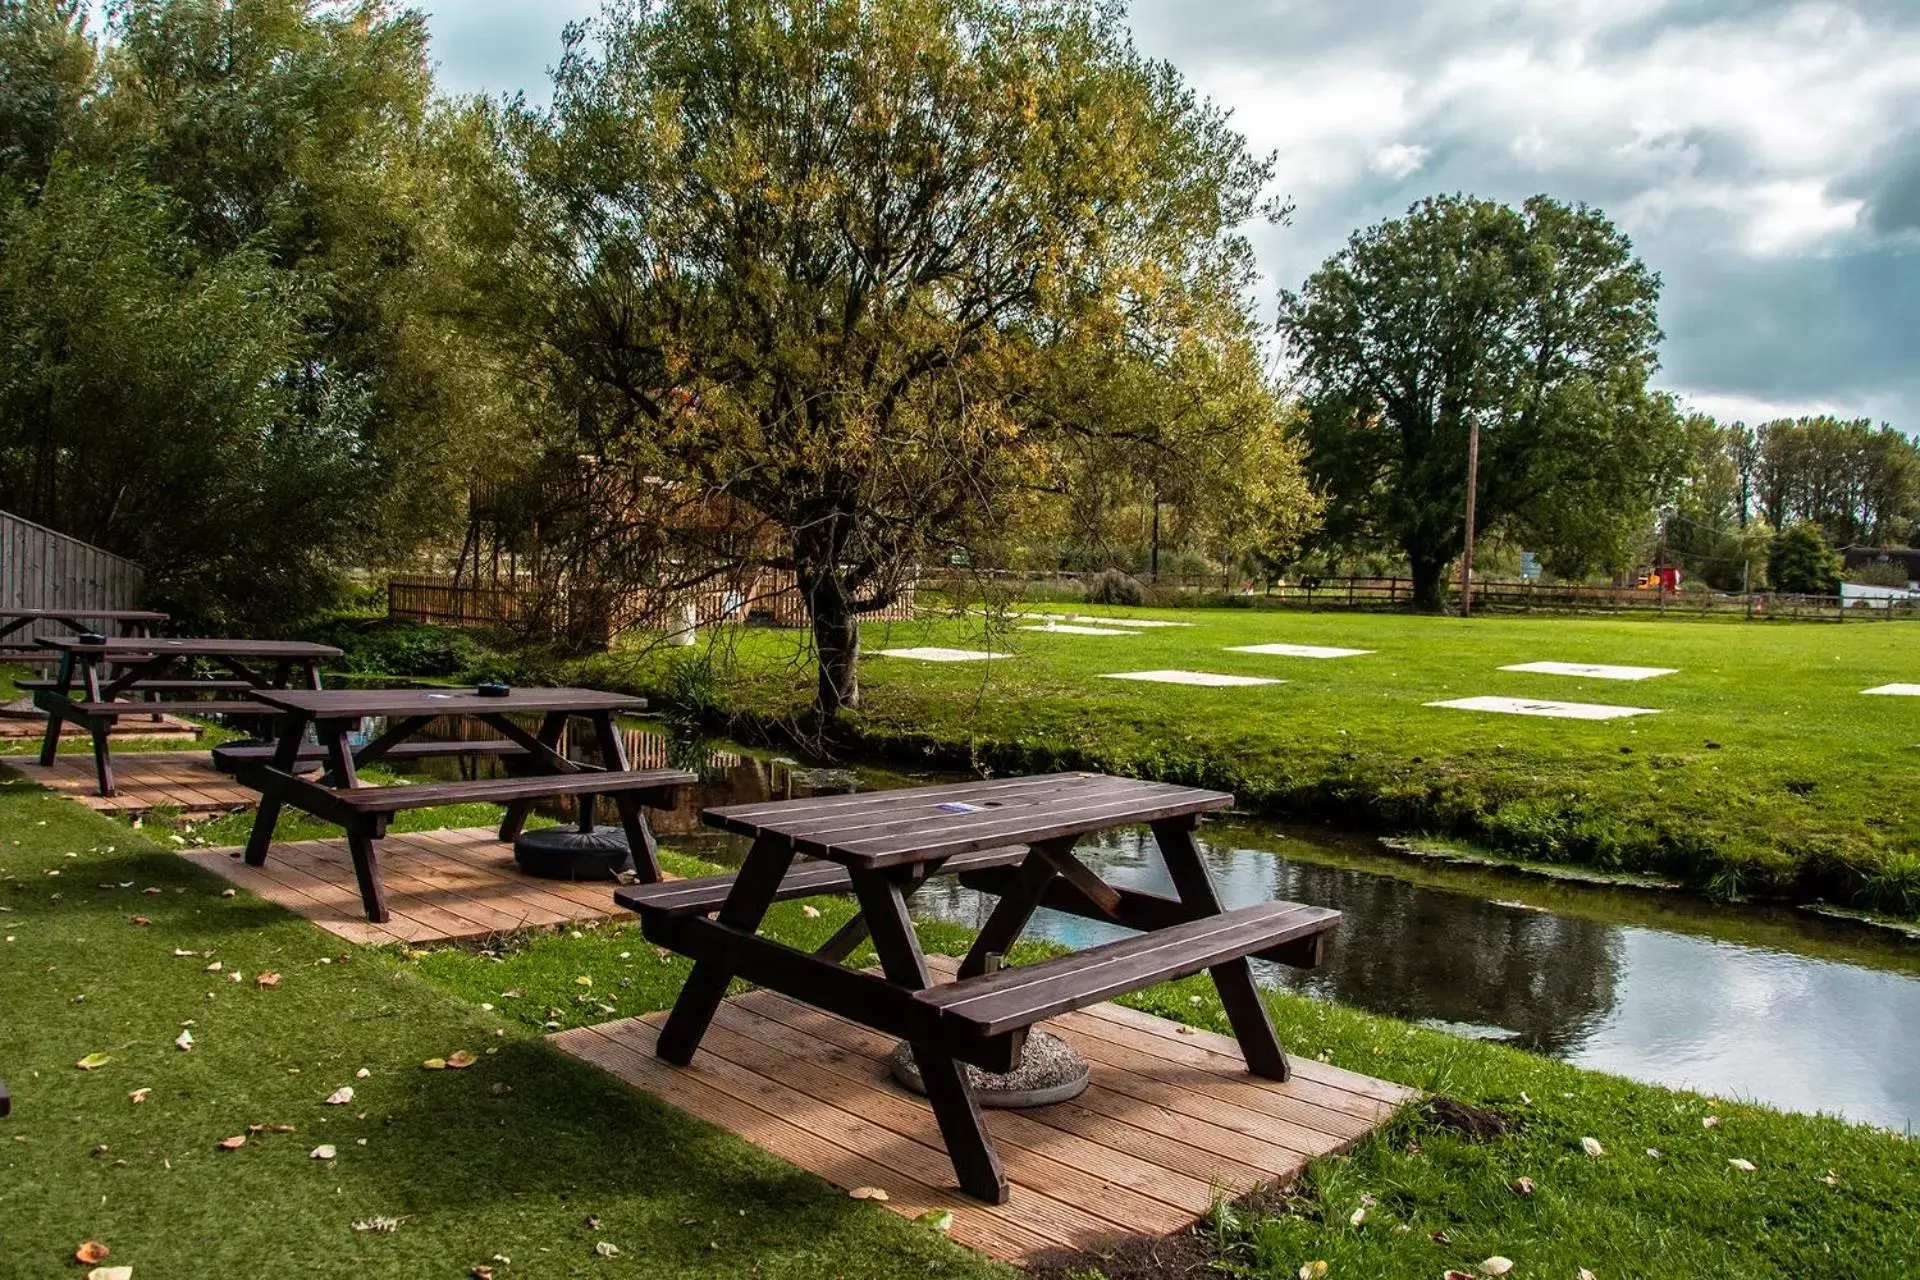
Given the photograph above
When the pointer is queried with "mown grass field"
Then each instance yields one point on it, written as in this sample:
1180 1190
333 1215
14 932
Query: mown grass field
1767 772
474 1173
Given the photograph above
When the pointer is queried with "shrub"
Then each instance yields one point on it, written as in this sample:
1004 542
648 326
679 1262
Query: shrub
1114 587
1799 563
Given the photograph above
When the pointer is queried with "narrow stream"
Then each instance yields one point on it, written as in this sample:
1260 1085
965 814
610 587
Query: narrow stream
1766 1004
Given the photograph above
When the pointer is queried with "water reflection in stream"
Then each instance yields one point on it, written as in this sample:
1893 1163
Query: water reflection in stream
1770 1005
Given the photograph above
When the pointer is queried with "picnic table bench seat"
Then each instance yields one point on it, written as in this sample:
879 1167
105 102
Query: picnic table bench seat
113 709
991 1004
229 759
673 899
158 686
587 782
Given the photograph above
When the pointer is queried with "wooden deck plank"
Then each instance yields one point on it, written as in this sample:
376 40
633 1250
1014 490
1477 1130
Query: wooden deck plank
441 886
1145 1148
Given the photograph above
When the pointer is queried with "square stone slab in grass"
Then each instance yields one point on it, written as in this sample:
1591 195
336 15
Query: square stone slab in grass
1073 629
1897 690
1138 622
933 653
1554 710
1299 650
1592 670
1210 679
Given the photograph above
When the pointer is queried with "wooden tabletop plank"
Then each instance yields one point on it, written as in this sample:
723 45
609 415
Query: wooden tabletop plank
121 646
352 704
890 828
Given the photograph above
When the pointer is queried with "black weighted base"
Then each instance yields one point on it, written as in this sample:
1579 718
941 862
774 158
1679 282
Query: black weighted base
566 853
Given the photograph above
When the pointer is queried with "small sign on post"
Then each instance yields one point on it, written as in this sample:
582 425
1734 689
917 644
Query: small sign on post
1530 566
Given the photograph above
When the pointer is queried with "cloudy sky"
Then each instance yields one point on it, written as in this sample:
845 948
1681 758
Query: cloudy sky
1763 154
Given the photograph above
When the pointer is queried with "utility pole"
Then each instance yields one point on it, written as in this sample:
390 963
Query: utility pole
1473 486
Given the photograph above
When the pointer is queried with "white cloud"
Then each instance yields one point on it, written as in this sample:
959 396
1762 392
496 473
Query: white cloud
1399 160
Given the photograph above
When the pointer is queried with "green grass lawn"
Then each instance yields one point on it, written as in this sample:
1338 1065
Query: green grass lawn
1766 772
472 1172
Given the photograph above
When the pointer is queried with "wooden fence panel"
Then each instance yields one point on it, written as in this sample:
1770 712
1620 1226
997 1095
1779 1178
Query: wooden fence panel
44 569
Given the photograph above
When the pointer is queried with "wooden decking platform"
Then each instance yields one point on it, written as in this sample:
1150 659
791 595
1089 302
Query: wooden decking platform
21 721
441 886
143 781
1171 1122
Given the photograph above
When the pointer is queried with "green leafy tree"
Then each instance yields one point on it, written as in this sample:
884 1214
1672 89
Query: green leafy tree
1801 562
1859 484
222 344
1538 325
811 272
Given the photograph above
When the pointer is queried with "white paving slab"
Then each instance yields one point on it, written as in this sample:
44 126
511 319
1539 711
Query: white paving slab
1211 679
1897 690
1555 710
1299 650
1137 622
1592 670
1072 629
933 653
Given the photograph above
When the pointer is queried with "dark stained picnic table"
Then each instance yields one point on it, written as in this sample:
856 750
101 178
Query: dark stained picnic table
95 676
537 767
1010 837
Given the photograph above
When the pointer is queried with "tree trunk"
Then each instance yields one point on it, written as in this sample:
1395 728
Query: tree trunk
836 645
1429 582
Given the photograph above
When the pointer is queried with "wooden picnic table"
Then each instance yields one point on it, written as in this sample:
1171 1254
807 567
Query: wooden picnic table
95 676
128 622
538 770
1010 837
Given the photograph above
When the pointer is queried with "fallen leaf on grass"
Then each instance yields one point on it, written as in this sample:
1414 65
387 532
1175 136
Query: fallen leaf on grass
179 951
340 1096
1455 1275
607 1250
938 1219
811 913
1523 1186
1592 1147
869 1193
379 1226
1313 1270
1744 1166
435 1064
91 1252
499 1088
226 893
94 1060
1584 1274
1496 1266
1357 1217
362 1074
1832 1179
1710 1122
234 1143
461 1059
139 1095
110 1273
267 980
324 1151
481 1272
184 1040
583 981
140 920
269 1128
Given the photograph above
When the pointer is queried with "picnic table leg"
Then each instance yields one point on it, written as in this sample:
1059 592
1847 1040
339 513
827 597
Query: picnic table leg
746 905
1016 905
1234 979
360 838
515 819
957 1111
286 755
633 820
50 745
100 727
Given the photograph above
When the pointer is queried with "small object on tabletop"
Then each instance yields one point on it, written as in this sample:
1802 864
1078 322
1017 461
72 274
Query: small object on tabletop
493 690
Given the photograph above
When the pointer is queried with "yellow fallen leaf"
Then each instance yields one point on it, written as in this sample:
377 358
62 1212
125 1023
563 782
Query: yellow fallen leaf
267 980
1357 1217
810 912
435 1064
583 981
1523 1186
1584 1274
94 1060
1313 1270
869 1193
1744 1166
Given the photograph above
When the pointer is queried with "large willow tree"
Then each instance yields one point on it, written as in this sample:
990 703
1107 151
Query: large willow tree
832 263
